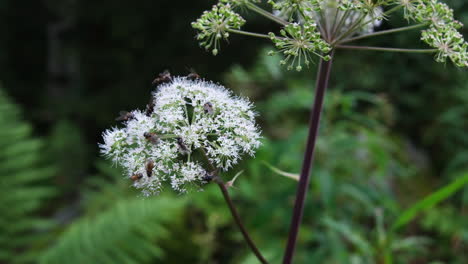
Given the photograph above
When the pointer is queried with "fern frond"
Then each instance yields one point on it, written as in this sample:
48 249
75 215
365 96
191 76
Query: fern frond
128 232
23 189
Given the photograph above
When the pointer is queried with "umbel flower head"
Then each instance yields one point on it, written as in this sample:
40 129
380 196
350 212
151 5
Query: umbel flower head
215 25
191 121
311 28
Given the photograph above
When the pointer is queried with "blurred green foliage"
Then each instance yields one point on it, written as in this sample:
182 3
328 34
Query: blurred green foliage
393 133
25 186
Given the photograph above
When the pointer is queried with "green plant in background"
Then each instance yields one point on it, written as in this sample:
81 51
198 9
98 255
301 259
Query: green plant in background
131 231
321 27
356 130
25 186
117 226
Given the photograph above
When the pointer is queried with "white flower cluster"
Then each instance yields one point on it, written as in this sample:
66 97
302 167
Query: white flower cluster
191 119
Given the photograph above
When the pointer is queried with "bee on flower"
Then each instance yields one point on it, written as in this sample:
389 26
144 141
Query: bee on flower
171 145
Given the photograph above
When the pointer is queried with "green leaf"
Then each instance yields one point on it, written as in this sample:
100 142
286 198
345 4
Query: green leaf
129 232
430 201
351 235
282 173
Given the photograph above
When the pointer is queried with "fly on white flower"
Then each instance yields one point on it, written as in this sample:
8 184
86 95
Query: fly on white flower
191 119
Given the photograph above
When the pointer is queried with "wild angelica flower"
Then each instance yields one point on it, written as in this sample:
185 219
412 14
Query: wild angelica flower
449 43
189 117
214 25
435 13
442 33
319 26
298 43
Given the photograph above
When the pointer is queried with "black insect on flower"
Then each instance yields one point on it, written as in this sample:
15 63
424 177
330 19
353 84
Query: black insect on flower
164 77
151 137
125 116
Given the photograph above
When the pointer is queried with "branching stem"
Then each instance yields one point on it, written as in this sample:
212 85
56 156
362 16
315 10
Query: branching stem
266 14
247 33
384 32
234 213
361 24
238 221
386 49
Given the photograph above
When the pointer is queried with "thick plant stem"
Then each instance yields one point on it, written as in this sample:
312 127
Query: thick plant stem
321 86
233 210
238 221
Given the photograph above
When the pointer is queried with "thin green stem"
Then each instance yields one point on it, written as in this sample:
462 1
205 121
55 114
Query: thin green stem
251 34
351 29
391 10
186 115
360 25
335 20
266 14
323 22
384 32
394 9
234 212
388 257
342 20
237 219
330 21
386 49
320 27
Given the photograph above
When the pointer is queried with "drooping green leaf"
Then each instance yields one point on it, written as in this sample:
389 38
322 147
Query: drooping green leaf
282 173
431 200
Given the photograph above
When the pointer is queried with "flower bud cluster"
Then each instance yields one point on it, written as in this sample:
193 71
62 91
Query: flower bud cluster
297 44
215 24
442 33
317 26
450 44
190 119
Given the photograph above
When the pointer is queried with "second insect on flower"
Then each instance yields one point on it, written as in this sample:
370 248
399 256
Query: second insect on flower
188 117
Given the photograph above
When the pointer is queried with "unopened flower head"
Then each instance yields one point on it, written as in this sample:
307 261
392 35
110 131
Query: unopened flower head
319 26
191 119
442 33
449 43
297 43
214 25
